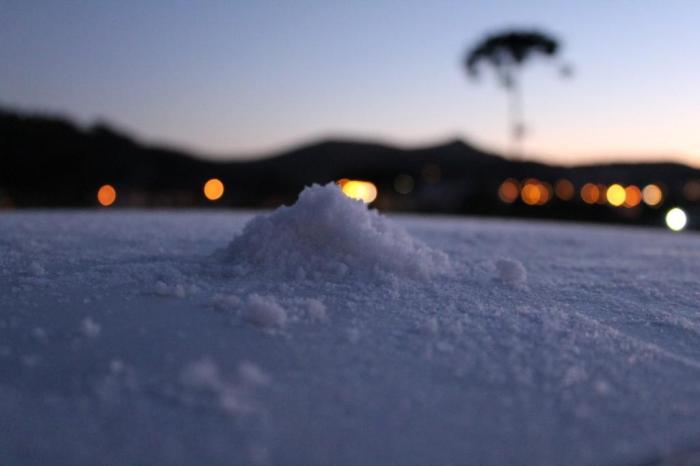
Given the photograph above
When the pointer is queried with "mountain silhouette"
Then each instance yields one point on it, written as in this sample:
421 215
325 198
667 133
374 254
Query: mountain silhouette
50 161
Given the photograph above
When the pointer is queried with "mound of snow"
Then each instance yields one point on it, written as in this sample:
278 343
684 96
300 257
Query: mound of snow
326 234
264 311
511 272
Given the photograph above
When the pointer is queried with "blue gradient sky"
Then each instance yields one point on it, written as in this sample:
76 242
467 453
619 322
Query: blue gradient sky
251 77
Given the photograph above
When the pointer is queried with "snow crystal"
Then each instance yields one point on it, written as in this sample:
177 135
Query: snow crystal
325 234
232 396
575 375
431 326
201 374
601 387
511 272
30 360
162 289
116 366
37 269
265 311
226 302
353 335
40 334
251 374
90 328
316 310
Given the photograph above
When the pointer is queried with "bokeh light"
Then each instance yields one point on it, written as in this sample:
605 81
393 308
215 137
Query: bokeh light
633 196
213 189
531 194
602 198
564 189
676 219
652 195
404 183
106 195
691 190
431 173
616 195
590 193
509 191
364 191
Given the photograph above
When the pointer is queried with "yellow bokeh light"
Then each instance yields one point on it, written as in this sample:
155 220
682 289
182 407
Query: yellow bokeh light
652 195
509 191
364 191
590 193
616 195
676 219
633 196
106 195
213 189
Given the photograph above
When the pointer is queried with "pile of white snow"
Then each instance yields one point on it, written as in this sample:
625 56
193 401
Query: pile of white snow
511 272
325 234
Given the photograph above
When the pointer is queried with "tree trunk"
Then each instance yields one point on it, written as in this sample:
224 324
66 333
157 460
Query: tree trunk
516 124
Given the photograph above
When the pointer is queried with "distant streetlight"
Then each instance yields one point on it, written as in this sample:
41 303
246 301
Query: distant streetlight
106 195
676 219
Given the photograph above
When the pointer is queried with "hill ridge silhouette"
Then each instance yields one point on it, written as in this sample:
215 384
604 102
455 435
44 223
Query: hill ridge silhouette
51 161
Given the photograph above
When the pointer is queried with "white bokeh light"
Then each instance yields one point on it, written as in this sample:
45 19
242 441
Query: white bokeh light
676 219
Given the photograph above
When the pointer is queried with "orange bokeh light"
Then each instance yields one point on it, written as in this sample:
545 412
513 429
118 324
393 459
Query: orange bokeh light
633 196
691 190
531 194
545 192
602 198
564 189
652 195
213 189
590 193
509 191
535 192
106 195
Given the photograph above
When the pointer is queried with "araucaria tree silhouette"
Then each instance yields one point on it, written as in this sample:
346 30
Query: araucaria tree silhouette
506 52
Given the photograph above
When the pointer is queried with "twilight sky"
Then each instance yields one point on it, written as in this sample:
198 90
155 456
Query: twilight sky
247 78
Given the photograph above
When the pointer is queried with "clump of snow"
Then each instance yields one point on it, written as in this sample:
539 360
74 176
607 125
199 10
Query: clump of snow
163 289
511 272
90 328
40 334
575 375
201 374
226 302
316 310
264 311
431 326
233 396
327 234
251 374
37 269
353 335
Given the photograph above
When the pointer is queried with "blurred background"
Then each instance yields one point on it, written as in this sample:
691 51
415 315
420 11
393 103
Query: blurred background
581 111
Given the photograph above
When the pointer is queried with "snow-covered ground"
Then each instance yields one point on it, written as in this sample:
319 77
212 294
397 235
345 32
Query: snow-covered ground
326 334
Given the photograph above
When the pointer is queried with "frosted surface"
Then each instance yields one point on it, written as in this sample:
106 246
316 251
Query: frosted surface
157 338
